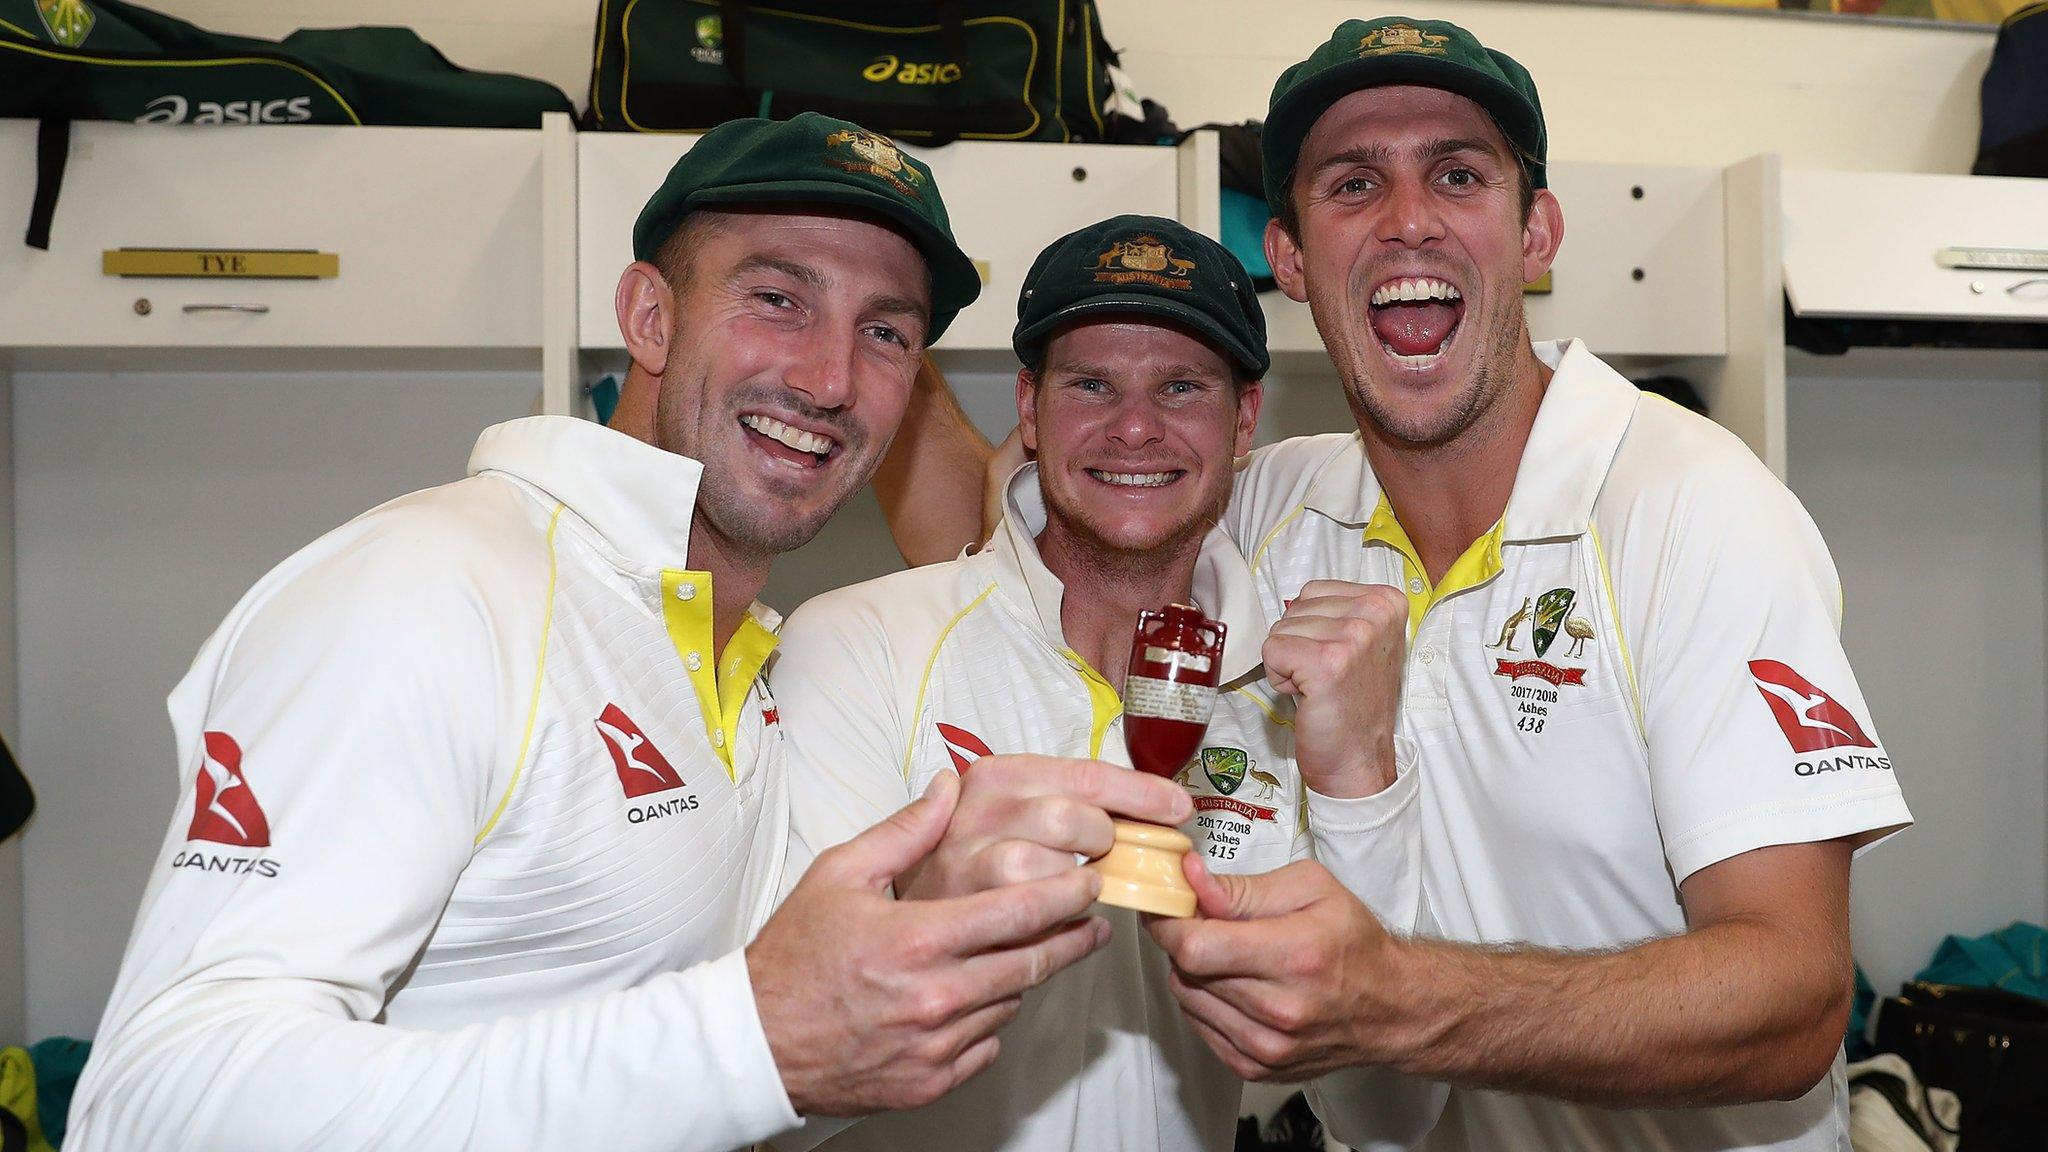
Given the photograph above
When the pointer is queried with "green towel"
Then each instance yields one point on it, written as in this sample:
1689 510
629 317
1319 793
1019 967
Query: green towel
59 1062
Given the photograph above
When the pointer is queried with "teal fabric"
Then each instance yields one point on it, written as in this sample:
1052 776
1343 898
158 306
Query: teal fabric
1244 231
1856 1041
58 1061
2014 958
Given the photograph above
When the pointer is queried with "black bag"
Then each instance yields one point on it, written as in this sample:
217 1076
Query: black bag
2014 138
1988 1046
927 71
105 60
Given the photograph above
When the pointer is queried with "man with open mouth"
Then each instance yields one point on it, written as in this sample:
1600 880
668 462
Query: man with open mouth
1644 761
1143 347
482 801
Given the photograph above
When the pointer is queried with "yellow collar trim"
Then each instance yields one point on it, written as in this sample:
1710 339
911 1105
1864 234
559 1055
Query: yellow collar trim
1480 563
721 680
1104 704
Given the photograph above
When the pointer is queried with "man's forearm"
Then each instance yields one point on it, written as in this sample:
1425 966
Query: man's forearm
675 1064
1726 1013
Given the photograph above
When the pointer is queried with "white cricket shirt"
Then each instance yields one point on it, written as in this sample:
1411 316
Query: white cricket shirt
885 684
471 830
1637 673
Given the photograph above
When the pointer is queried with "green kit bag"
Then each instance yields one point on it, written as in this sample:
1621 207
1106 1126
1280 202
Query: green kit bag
105 60
926 71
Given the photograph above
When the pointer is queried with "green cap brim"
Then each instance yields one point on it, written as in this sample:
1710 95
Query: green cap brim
955 282
1029 343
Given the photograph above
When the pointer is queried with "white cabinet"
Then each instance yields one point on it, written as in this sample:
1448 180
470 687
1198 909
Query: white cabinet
437 233
1006 200
1866 244
1641 272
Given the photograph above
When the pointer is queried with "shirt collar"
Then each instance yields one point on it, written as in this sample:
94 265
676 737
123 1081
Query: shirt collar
639 498
1222 584
1579 426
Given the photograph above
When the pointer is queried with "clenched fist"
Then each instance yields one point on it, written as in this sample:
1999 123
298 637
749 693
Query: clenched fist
1338 650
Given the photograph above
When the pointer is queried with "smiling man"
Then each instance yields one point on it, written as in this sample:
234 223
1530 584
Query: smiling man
1143 346
482 794
1644 761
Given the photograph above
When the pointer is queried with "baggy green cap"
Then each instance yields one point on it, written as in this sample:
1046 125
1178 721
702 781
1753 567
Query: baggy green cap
1399 50
1148 265
814 159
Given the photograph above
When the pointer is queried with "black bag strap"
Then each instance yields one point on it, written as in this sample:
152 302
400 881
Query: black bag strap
53 148
952 37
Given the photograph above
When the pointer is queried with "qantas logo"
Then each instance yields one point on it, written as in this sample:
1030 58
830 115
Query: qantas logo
226 811
1811 719
640 765
963 746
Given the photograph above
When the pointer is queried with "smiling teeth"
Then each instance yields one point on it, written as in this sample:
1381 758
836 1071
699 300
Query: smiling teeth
795 438
1134 479
1420 288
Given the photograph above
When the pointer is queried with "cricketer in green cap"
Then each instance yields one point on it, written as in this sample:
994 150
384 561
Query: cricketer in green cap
788 278
1405 164
1143 348
1581 940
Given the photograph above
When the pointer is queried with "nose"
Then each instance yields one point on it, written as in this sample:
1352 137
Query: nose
1136 422
1409 215
824 373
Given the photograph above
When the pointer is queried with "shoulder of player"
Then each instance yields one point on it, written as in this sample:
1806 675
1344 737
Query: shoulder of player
1683 490
474 550
1678 464
1293 464
903 614
1276 480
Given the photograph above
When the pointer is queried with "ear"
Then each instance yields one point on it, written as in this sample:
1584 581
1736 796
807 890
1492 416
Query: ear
1248 402
1283 253
1542 235
646 306
1027 409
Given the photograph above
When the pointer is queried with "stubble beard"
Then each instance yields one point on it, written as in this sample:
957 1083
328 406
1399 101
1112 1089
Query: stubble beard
753 528
1492 377
1105 560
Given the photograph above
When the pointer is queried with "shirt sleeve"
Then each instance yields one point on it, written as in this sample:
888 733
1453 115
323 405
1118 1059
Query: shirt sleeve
342 744
844 738
1373 844
1756 730
1378 1109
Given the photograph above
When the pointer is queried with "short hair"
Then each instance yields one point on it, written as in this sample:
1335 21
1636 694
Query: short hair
676 256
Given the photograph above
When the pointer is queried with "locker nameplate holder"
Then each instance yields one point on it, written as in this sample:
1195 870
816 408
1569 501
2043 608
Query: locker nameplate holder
221 263
1994 259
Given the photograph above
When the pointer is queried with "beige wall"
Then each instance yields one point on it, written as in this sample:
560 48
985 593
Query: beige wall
1619 84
